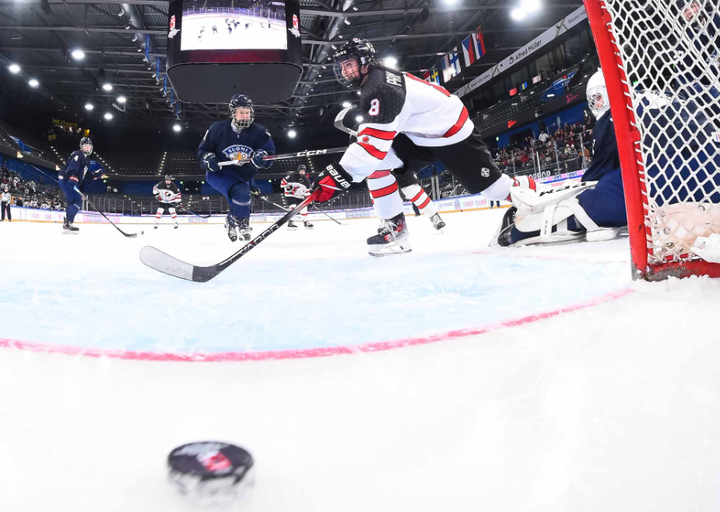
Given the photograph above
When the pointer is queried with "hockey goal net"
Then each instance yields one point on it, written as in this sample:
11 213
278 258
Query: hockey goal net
660 62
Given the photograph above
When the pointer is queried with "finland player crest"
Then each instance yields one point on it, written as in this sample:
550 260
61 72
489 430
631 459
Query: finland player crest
237 151
485 172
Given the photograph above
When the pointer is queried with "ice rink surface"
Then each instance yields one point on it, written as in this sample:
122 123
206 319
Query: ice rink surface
584 390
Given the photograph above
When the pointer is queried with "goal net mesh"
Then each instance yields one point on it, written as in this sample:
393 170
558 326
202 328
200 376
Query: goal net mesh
668 50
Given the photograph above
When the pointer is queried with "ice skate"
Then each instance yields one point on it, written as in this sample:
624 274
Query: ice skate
437 222
175 225
292 226
308 225
393 239
69 229
231 226
244 228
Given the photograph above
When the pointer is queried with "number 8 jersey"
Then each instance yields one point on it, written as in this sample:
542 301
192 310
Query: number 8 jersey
393 102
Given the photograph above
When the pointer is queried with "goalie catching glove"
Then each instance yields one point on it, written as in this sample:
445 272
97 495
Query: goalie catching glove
332 182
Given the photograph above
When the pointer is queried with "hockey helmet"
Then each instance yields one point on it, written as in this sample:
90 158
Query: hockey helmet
302 168
597 95
247 115
358 51
84 143
168 177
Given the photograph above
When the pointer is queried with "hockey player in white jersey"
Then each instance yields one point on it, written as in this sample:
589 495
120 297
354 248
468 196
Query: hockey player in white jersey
388 187
296 187
168 197
432 119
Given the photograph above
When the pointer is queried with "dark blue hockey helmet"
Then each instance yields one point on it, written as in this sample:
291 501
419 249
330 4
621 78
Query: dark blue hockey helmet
360 51
168 177
86 146
244 105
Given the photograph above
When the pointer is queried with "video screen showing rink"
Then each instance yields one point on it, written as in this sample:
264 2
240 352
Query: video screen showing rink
224 25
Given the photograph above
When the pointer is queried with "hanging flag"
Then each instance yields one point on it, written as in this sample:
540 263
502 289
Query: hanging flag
473 47
426 76
469 50
147 48
450 65
434 77
479 43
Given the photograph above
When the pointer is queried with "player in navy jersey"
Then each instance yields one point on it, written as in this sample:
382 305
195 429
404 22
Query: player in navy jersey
71 180
593 210
245 142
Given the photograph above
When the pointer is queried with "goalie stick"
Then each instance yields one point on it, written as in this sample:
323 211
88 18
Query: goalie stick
167 264
288 156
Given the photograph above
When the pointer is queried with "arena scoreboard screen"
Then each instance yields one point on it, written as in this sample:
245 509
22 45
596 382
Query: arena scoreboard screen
217 48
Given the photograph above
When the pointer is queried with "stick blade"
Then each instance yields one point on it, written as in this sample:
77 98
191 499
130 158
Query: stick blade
163 262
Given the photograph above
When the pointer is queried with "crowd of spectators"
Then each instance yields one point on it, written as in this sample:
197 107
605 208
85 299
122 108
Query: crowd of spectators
567 149
30 193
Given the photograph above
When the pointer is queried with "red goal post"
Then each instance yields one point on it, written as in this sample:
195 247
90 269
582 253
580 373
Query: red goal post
659 248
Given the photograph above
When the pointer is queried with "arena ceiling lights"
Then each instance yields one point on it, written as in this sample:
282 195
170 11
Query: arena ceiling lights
526 7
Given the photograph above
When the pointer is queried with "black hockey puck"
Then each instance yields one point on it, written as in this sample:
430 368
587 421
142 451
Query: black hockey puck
211 472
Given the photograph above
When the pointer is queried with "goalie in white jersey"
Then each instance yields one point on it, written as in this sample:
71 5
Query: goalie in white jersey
431 118
168 197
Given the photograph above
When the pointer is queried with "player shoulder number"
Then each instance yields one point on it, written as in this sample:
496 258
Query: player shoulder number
374 107
77 157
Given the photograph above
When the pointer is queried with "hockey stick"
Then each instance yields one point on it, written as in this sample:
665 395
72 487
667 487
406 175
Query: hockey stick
288 156
328 216
286 210
128 235
163 262
197 214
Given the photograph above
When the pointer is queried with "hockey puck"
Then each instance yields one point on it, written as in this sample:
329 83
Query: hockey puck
211 473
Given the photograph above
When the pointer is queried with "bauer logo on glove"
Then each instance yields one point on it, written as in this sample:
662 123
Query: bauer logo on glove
331 183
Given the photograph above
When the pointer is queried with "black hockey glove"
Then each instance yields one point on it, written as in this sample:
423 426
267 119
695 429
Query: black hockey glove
330 183
209 162
255 192
258 161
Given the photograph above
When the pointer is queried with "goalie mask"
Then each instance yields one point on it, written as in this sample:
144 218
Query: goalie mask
86 146
597 95
350 58
242 112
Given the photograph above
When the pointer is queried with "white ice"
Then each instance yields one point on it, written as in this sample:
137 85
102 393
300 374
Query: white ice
609 407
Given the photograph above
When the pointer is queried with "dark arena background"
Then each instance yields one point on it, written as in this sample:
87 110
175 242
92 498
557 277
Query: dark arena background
460 376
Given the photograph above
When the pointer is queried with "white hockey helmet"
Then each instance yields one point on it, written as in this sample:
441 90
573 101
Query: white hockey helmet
597 95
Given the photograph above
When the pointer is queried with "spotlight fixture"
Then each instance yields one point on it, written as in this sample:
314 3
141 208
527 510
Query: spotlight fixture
121 99
107 87
89 106
359 119
33 83
14 69
78 54
108 116
177 127
292 134
346 104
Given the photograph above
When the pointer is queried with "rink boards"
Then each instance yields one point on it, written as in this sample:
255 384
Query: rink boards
449 205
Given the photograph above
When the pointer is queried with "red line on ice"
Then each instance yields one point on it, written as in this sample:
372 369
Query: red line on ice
303 353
